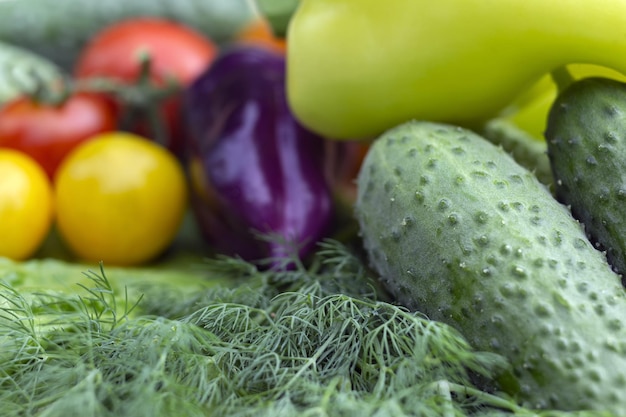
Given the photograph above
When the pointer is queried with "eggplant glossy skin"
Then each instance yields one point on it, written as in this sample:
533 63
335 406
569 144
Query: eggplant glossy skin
255 171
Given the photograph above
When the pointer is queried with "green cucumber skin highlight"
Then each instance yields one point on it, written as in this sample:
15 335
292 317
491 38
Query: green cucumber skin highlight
585 133
459 231
58 29
21 70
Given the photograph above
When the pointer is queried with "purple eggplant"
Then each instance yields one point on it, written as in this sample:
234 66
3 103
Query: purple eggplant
255 171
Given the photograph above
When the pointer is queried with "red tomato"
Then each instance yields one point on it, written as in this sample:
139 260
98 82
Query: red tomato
175 51
48 133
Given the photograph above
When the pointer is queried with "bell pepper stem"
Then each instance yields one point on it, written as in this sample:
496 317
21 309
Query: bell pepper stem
562 77
278 13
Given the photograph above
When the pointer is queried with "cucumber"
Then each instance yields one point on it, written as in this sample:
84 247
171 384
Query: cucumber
58 29
586 131
23 71
523 147
460 232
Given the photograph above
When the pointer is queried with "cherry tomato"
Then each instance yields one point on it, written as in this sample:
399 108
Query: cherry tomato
47 132
120 198
25 204
175 51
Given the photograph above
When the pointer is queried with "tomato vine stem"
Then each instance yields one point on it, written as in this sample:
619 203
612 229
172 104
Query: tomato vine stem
140 99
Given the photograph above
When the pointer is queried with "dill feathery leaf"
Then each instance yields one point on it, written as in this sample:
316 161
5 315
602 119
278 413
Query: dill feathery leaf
316 339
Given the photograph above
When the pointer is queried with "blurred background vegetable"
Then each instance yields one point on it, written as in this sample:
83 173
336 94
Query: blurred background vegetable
278 13
58 32
49 131
23 71
253 168
177 54
120 199
128 75
26 208
259 32
343 161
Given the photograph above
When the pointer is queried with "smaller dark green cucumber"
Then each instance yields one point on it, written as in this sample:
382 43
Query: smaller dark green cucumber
586 136
461 232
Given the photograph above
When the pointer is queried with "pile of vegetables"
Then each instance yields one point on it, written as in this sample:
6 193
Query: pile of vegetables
236 208
133 76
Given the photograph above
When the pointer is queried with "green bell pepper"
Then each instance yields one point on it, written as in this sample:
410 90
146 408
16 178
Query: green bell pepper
358 67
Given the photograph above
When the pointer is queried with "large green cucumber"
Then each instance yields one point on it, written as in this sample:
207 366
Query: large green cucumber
586 136
57 29
458 230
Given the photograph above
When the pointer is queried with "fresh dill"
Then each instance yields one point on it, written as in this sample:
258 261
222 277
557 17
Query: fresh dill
314 340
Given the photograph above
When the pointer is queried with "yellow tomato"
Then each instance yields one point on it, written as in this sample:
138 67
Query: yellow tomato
25 205
120 199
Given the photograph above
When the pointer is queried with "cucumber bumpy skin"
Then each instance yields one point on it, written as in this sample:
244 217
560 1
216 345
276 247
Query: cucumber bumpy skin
586 134
459 231
525 149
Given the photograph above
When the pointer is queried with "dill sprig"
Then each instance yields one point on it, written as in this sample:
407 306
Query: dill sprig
315 340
